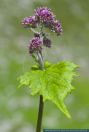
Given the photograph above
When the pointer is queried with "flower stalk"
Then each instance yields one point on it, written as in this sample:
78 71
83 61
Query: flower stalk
41 103
43 18
40 61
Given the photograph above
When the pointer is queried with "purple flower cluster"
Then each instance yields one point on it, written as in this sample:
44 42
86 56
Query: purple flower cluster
44 14
30 22
35 45
45 18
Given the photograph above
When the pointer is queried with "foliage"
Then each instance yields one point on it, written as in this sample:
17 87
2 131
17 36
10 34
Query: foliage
54 82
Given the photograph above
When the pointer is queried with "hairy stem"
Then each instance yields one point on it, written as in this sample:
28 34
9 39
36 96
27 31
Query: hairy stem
40 61
41 103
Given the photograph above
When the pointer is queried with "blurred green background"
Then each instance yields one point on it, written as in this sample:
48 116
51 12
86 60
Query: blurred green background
18 110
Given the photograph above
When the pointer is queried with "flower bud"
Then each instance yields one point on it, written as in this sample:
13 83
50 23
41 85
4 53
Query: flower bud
36 35
57 27
46 42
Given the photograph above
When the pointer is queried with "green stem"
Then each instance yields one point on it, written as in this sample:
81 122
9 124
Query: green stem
40 61
34 31
40 114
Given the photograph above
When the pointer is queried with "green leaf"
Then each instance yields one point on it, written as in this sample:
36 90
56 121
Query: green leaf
54 83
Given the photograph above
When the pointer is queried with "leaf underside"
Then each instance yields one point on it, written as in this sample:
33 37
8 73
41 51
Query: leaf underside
54 83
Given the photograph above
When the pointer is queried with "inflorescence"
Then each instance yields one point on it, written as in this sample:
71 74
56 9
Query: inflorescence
43 17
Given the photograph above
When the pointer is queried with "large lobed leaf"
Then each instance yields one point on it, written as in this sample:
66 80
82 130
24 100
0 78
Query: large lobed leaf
54 83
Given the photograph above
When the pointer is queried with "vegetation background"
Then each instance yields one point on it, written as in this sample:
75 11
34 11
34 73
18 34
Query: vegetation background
18 110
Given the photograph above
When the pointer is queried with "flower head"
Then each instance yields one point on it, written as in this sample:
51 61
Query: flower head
57 27
44 15
35 45
30 22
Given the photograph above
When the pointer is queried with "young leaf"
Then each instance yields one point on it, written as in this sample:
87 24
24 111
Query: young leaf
54 83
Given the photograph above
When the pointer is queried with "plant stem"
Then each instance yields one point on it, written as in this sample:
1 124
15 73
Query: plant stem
34 31
40 114
40 61
41 103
